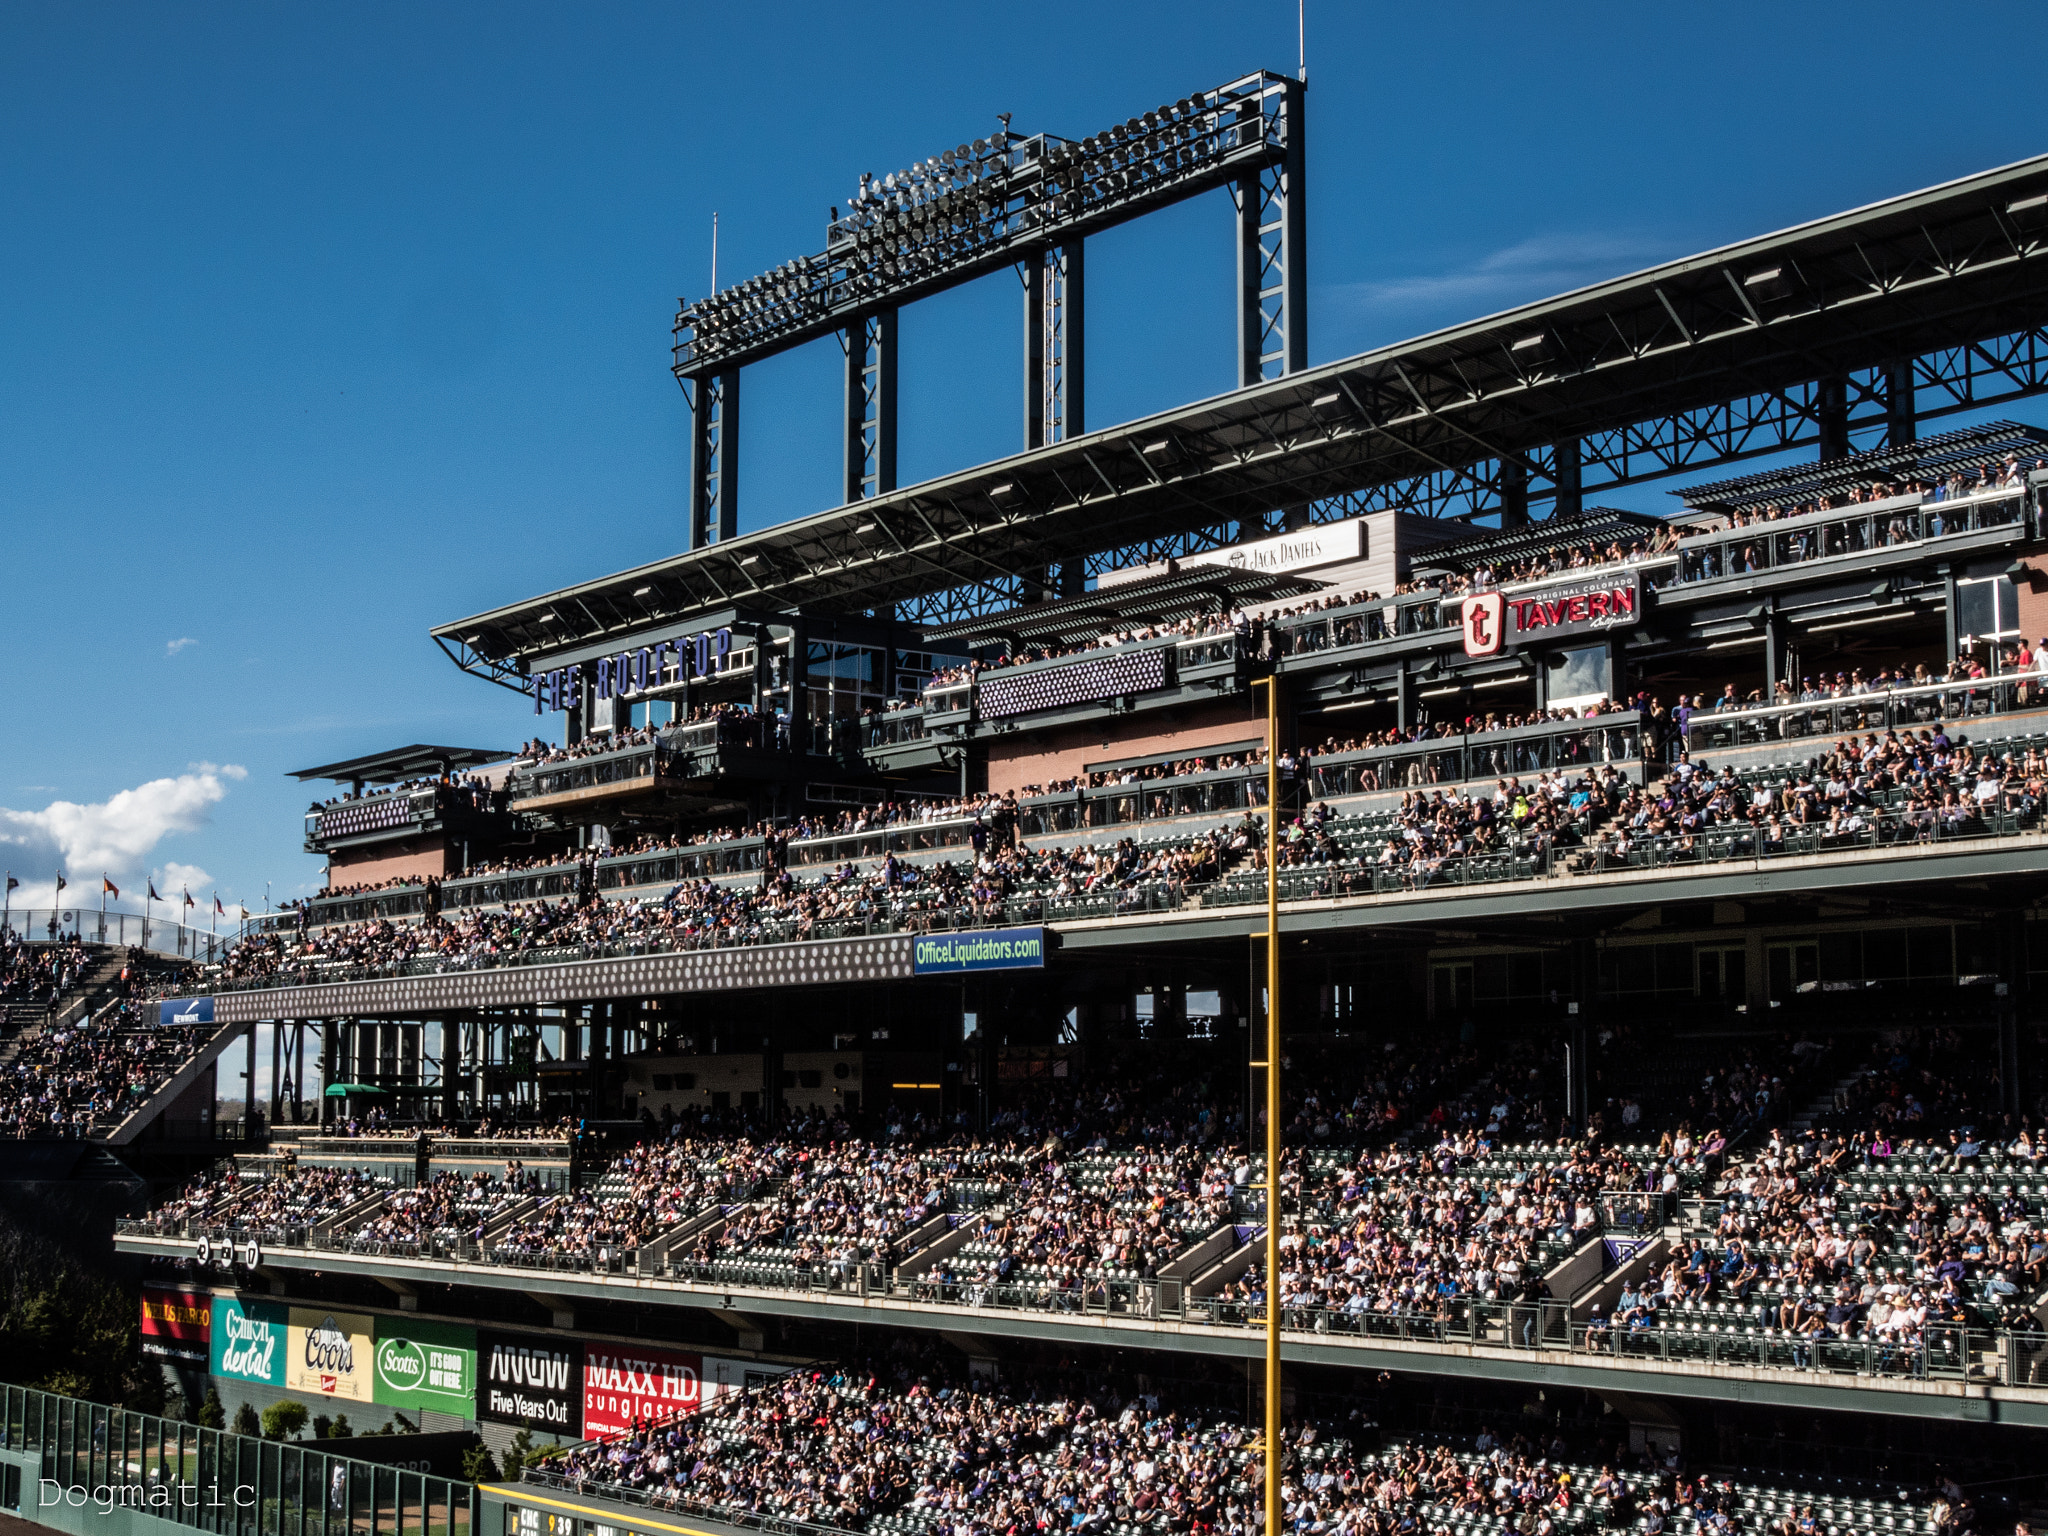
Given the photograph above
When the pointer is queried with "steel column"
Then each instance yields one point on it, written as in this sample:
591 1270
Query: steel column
1054 343
870 344
714 458
1901 421
1833 417
1566 476
1272 254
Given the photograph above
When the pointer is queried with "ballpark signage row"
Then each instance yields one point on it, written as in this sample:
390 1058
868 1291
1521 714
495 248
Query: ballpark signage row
549 1384
1495 620
629 672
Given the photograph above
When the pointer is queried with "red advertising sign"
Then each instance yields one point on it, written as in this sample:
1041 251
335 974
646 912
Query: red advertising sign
1485 623
176 1325
1581 607
624 1382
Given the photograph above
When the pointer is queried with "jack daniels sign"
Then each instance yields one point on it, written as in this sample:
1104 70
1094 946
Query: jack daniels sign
651 666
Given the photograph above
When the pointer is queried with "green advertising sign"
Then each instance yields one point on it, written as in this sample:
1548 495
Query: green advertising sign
425 1365
248 1342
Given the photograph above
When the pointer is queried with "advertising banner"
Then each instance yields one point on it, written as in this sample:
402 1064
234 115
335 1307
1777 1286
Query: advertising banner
186 1010
176 1325
1587 606
526 1379
329 1353
992 949
624 1382
425 1365
247 1341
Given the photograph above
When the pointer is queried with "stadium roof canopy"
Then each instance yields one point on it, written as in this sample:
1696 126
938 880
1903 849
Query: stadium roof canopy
402 763
1942 268
1595 526
1930 458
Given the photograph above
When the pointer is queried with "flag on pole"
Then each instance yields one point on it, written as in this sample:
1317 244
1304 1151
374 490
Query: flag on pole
61 883
152 890
188 897
218 909
13 884
110 888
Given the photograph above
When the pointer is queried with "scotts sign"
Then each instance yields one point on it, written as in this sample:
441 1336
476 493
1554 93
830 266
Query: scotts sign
630 672
1495 620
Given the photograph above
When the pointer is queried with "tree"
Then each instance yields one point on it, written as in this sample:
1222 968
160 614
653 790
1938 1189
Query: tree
322 1426
340 1429
246 1422
283 1419
477 1465
211 1414
522 1452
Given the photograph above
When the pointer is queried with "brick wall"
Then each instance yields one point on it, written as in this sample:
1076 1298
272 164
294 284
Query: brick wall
415 858
1064 754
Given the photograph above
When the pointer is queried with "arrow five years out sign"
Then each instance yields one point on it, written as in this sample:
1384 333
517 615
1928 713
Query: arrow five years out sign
534 1382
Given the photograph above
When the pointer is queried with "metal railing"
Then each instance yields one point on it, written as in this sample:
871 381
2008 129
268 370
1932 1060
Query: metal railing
218 1481
1910 708
89 925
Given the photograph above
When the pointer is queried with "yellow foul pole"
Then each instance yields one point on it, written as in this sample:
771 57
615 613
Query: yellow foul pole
1272 1065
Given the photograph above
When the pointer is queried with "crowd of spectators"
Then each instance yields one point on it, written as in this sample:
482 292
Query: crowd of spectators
89 1073
472 789
39 973
906 1443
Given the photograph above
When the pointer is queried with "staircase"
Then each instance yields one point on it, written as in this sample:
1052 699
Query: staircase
1821 1106
139 1118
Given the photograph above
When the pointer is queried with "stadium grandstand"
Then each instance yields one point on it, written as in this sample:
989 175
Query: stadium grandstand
818 1079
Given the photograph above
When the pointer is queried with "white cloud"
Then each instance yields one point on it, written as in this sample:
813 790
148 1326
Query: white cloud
116 835
174 879
178 645
1536 268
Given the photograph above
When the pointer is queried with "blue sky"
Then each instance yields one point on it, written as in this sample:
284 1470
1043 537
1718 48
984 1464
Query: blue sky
321 325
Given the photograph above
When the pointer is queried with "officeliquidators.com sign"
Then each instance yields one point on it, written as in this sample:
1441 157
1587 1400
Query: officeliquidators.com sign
992 949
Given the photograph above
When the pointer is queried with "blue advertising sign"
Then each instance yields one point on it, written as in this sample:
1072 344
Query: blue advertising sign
185 1010
993 949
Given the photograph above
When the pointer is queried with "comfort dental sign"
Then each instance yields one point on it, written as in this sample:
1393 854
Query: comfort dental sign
1493 620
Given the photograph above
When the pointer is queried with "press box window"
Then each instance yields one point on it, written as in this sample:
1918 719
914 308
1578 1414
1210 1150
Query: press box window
1988 607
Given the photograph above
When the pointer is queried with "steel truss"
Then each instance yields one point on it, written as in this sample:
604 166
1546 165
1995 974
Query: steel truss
1055 337
714 459
870 344
1029 202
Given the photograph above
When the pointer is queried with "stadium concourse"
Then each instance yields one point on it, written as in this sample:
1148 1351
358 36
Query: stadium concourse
815 1080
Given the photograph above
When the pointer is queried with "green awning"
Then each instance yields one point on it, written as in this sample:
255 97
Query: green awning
343 1090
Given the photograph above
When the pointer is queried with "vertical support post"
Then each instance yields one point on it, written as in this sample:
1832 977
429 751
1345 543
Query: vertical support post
714 458
870 344
1774 650
1055 340
1272 1458
1570 494
1832 407
1272 244
249 1083
1901 416
1514 493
